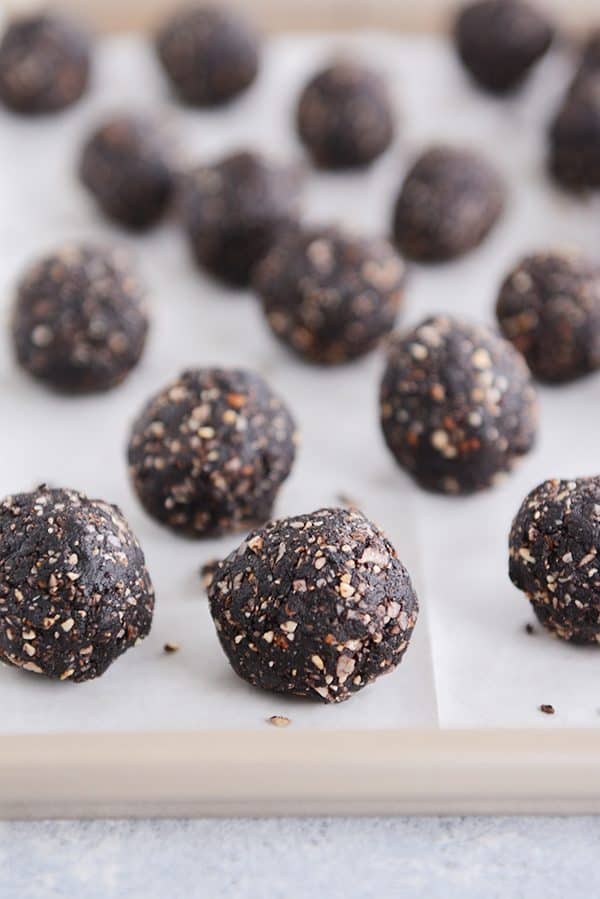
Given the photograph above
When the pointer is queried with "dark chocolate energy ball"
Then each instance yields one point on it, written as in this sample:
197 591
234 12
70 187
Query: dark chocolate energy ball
458 406
317 605
590 56
79 322
500 40
329 296
553 556
209 54
449 201
235 210
549 308
44 63
125 167
209 453
575 136
344 116
74 590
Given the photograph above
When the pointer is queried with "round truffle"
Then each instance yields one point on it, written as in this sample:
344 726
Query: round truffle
590 55
549 308
575 135
329 296
125 166
44 63
458 406
209 54
209 453
317 605
499 41
79 322
74 590
448 203
344 116
553 556
235 210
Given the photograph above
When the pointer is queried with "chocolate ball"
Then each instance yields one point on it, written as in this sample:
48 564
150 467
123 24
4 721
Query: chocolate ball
549 308
589 60
344 116
316 605
553 556
125 166
74 590
449 202
574 137
209 452
458 406
235 210
44 63
329 296
209 54
79 321
499 41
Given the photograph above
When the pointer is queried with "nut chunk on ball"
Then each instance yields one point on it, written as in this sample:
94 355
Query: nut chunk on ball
329 296
553 556
317 605
209 452
458 406
79 322
549 308
74 590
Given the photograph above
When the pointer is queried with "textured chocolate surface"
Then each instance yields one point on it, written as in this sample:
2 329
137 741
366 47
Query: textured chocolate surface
458 406
549 308
208 453
344 116
329 296
449 201
44 63
317 605
74 590
125 166
500 40
574 158
235 210
553 556
79 322
209 54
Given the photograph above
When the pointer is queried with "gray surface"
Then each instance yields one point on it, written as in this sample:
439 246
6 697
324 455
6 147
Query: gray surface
436 857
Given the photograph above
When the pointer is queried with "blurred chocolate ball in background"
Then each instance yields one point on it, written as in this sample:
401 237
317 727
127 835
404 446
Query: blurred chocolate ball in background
125 166
344 116
44 63
449 201
499 41
209 53
233 212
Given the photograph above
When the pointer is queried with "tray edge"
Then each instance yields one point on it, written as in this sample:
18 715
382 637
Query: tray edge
253 773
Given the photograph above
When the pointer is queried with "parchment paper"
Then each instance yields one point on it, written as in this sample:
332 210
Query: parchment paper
477 664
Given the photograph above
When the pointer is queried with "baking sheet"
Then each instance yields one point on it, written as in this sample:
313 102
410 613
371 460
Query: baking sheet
470 664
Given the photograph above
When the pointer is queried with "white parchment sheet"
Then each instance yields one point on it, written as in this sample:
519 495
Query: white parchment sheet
471 663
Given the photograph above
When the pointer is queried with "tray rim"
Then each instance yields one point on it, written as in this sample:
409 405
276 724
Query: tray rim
309 772
276 16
